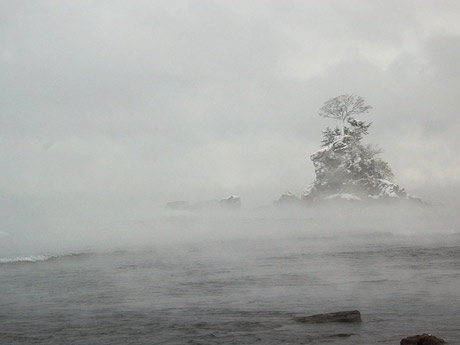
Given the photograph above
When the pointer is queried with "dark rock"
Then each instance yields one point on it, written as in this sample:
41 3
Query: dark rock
341 316
424 339
341 335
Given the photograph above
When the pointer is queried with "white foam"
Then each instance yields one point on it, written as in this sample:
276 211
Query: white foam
38 258
32 258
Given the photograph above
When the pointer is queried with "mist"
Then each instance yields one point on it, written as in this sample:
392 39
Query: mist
114 227
158 102
110 110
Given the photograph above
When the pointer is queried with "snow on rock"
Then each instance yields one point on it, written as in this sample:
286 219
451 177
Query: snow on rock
308 189
343 196
388 189
232 201
287 198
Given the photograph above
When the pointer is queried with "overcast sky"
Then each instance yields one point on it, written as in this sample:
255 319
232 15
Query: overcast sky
196 100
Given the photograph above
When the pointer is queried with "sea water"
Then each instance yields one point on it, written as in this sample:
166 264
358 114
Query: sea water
244 288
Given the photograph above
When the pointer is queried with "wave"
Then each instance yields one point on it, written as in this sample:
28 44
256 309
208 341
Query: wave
35 258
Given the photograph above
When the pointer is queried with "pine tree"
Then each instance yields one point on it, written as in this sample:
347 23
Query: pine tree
344 164
343 107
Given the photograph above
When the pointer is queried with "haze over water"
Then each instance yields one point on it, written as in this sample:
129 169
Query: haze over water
111 109
240 277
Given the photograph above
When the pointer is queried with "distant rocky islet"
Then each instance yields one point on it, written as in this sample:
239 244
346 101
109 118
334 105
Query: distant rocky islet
346 169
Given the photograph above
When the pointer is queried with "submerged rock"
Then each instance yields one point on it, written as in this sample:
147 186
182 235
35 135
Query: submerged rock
341 316
424 339
339 335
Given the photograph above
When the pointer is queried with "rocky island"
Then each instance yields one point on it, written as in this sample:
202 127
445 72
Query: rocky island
345 168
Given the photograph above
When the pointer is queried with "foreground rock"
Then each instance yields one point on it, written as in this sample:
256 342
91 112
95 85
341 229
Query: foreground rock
424 339
341 316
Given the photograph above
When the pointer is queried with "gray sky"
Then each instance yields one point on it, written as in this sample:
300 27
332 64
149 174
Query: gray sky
196 100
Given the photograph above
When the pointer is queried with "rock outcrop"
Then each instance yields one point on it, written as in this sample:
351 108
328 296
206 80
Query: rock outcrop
341 316
346 169
424 339
231 202
287 199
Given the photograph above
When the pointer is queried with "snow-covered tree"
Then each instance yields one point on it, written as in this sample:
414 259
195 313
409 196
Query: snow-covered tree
342 107
346 166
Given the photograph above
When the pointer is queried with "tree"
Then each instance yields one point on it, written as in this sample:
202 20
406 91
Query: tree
345 165
343 107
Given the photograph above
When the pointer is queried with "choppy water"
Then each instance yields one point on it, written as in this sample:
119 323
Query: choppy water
242 290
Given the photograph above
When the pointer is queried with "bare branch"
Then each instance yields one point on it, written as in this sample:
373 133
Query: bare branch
343 106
